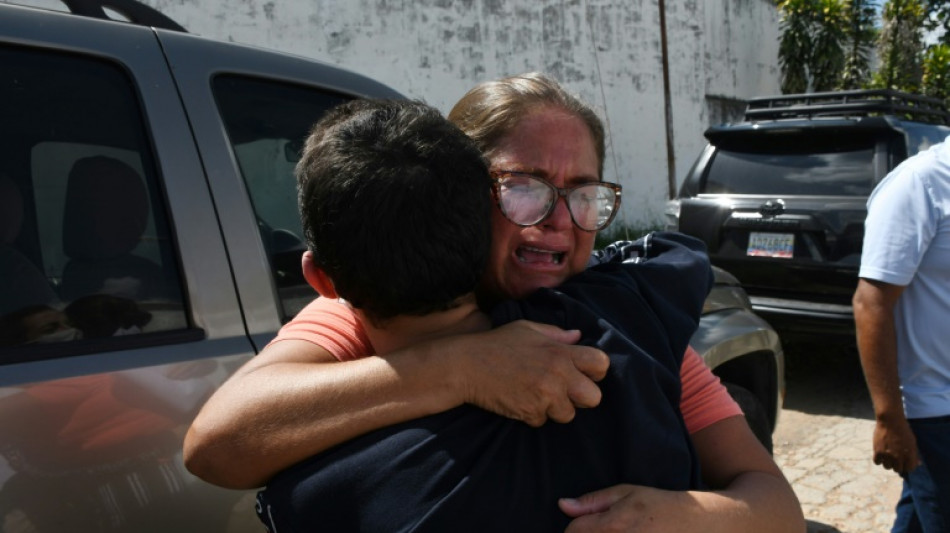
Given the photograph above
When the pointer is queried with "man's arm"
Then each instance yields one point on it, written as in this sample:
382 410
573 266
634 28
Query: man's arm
294 400
750 493
895 446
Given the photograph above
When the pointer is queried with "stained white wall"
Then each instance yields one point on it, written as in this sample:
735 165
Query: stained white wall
607 51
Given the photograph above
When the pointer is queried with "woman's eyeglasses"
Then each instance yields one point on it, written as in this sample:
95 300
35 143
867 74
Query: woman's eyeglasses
527 200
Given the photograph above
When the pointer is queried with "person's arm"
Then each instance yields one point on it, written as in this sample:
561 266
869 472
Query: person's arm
750 493
895 447
704 399
294 399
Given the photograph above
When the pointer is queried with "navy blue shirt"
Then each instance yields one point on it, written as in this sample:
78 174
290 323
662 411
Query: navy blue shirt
471 470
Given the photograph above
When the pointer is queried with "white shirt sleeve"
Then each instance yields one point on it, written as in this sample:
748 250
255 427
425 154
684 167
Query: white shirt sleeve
900 224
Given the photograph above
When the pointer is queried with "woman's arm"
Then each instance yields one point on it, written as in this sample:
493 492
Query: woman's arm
705 400
749 493
294 399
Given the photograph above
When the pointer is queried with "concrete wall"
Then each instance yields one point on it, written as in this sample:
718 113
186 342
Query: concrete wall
607 51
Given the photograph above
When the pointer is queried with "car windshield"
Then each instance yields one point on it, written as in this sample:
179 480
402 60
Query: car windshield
846 172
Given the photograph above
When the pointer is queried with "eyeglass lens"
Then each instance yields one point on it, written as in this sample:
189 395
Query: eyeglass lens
527 200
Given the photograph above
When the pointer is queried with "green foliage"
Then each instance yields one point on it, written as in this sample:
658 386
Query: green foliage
936 77
901 45
795 47
826 45
828 56
861 35
938 16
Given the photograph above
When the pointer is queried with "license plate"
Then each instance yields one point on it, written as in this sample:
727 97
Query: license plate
771 245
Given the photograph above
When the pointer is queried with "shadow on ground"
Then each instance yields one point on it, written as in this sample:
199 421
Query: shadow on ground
825 380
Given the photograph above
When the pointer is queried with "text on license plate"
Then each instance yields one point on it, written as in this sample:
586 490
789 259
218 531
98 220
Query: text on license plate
771 244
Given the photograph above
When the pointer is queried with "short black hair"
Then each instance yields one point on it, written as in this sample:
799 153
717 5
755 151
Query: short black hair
396 206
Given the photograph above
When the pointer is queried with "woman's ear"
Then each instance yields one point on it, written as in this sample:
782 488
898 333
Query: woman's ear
316 277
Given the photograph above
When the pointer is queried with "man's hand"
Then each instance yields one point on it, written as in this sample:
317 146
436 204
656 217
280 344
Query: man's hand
530 372
895 446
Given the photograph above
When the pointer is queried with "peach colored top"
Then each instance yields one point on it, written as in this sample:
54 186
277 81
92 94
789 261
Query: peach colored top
333 326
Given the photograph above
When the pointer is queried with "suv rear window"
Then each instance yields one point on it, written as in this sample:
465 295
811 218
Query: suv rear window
920 137
841 170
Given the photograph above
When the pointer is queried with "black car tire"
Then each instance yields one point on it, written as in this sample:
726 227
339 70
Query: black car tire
754 413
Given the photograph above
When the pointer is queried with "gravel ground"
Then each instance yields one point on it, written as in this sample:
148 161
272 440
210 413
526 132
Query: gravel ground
823 444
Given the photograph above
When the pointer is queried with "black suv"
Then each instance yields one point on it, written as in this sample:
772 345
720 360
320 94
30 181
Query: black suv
779 198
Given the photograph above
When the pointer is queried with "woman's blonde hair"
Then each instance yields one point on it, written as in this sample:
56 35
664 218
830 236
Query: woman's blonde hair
493 109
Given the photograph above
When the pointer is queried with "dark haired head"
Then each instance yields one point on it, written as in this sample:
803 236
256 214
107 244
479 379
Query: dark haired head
395 203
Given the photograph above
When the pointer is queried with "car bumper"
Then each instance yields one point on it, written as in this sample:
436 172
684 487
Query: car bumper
801 320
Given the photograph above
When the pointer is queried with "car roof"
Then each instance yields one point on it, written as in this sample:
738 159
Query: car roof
858 103
131 11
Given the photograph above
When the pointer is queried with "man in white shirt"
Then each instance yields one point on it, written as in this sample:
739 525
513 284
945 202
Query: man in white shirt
902 313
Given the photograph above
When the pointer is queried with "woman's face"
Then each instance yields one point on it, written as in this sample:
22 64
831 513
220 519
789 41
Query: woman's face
557 146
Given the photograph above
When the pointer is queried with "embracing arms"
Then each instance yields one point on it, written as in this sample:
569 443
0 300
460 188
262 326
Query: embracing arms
295 400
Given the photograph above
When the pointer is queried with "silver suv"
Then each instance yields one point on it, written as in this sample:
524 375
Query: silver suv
151 245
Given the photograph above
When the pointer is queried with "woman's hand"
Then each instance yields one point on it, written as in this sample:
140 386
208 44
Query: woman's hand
748 493
529 372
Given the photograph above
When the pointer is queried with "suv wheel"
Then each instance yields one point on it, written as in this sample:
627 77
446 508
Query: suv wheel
755 413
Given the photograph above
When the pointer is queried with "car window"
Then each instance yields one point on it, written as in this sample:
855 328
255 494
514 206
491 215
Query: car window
793 170
920 137
267 123
86 249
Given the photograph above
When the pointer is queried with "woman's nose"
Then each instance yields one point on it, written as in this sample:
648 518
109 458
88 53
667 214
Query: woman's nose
560 217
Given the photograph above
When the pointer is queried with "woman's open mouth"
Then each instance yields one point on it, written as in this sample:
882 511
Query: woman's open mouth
532 255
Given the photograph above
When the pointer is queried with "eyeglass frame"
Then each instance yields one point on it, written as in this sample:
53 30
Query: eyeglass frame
562 192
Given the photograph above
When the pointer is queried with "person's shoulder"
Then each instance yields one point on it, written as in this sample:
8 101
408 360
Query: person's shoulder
668 269
923 175
657 259
331 324
321 307
934 161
